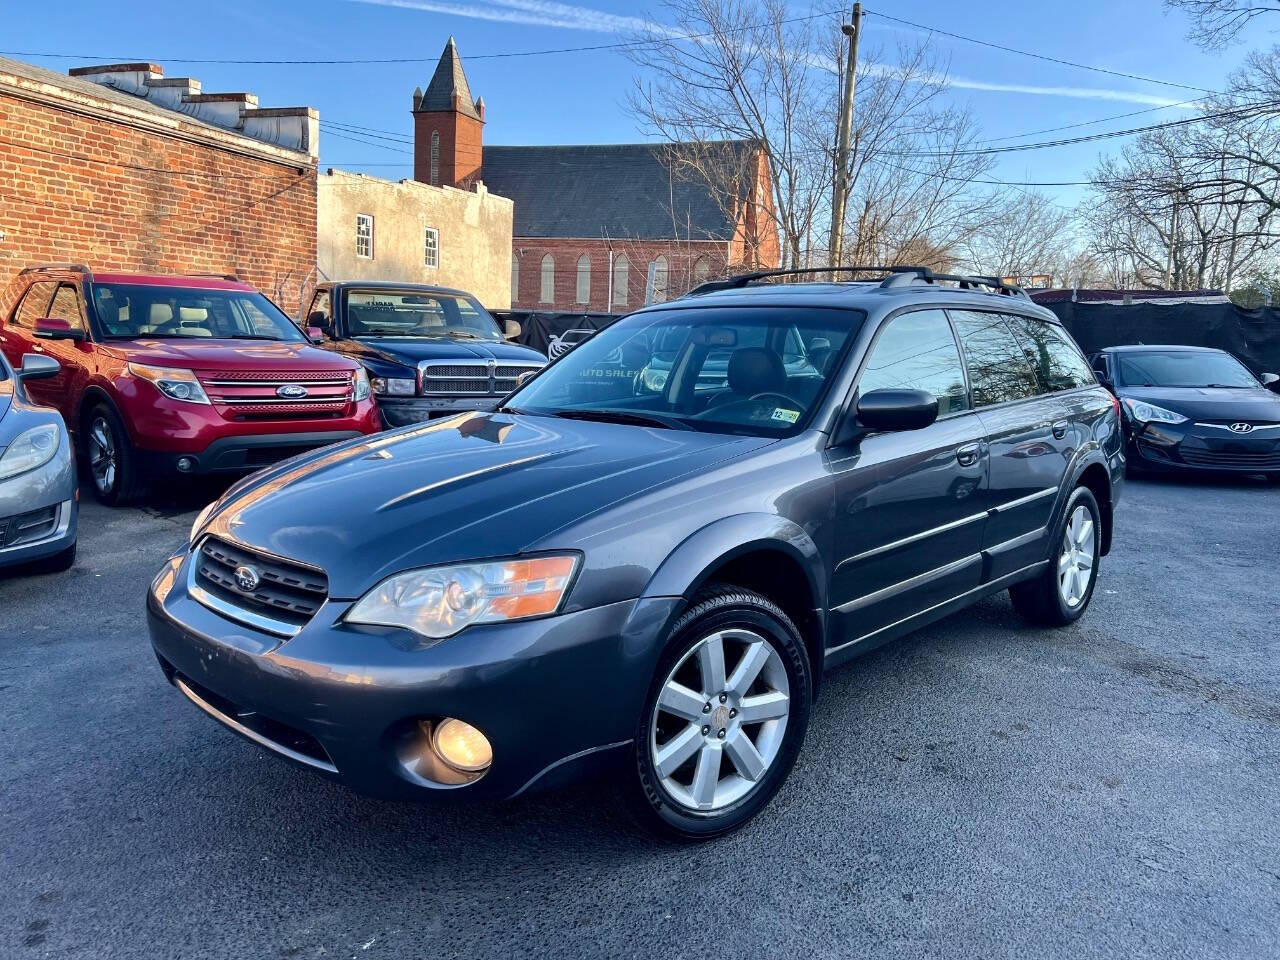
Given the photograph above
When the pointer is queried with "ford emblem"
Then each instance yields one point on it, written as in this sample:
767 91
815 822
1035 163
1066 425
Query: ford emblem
247 578
291 391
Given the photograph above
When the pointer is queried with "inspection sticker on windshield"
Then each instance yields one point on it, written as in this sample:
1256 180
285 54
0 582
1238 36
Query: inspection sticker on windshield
786 416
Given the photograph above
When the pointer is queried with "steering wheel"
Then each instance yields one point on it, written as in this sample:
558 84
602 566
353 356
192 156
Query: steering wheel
790 401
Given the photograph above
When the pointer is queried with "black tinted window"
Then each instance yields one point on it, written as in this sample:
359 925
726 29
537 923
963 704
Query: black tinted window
998 368
916 351
34 303
1053 355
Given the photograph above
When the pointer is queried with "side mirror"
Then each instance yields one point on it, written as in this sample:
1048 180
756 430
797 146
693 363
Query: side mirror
897 409
37 367
512 329
50 328
1271 381
316 334
319 321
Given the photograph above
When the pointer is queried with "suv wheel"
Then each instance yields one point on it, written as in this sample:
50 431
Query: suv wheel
724 719
1061 594
109 455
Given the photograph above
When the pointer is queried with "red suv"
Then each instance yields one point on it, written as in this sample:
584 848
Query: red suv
168 375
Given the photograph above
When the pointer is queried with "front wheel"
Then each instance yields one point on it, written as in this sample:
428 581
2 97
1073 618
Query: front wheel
1061 593
110 457
725 716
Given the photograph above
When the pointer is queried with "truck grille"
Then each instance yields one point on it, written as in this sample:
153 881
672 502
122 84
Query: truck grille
263 394
480 378
287 592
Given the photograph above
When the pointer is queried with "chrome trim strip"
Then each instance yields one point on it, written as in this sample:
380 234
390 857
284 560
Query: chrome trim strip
340 382
903 585
1023 501
1226 427
1019 541
563 760
914 538
230 610
272 401
993 586
245 732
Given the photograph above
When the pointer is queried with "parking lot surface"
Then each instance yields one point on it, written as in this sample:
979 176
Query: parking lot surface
980 789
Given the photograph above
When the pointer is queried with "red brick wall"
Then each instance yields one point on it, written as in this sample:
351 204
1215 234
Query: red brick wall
681 259
96 191
460 148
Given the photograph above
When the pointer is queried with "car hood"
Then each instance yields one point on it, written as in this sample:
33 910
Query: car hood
207 353
1212 403
412 350
473 486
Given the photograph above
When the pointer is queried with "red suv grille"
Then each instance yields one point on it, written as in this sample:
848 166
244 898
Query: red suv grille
277 394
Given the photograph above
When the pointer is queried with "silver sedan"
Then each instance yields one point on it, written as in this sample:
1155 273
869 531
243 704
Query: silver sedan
39 500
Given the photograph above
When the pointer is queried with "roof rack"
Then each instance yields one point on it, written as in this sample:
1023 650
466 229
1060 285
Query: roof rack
57 267
897 276
214 276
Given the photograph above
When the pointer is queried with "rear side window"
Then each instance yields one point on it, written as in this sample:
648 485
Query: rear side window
34 303
998 368
916 351
1057 361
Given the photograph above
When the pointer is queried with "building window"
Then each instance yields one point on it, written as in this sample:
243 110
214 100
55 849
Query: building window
657 284
701 270
515 279
584 279
435 158
364 236
431 247
548 292
621 280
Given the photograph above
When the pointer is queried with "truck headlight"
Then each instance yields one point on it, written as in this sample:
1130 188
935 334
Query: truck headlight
362 385
32 448
393 387
437 602
174 383
1142 412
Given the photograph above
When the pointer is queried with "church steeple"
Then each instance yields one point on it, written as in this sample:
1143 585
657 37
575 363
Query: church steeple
448 126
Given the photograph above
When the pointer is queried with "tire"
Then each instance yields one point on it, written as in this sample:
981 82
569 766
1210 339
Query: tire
718 800
1057 597
60 562
109 458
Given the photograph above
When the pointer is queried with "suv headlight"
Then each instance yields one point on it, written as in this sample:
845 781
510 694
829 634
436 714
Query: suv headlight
174 383
1142 412
362 385
32 448
393 387
437 602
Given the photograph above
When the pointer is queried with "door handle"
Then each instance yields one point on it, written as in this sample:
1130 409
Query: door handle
967 455
1060 429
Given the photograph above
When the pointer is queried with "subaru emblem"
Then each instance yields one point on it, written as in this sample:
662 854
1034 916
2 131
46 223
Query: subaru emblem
291 391
247 578
1241 427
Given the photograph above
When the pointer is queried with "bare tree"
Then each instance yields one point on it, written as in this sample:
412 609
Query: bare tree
1023 233
1217 23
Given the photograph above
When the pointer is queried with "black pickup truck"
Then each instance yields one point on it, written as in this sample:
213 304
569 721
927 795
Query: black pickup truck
430 351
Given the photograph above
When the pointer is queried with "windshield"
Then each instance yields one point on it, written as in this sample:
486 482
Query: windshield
1183 368
752 370
131 310
379 313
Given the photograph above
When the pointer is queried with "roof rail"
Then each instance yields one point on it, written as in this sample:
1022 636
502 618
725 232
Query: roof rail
214 276
58 267
897 276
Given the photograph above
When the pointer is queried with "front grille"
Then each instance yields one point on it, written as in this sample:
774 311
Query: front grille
288 592
1238 459
254 394
28 527
471 379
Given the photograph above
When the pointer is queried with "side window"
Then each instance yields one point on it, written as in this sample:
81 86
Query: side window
34 304
1100 366
916 351
318 313
998 368
1057 361
66 306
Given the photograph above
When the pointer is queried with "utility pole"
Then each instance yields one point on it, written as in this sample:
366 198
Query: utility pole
840 192
1173 239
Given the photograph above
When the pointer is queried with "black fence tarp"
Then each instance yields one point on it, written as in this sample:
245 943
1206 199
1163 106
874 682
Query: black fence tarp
1252 335
555 333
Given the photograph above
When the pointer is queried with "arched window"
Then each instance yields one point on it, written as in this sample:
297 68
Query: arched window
584 279
621 280
657 292
701 270
548 292
435 158
515 279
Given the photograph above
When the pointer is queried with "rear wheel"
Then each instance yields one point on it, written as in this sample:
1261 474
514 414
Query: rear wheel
726 713
1061 593
110 458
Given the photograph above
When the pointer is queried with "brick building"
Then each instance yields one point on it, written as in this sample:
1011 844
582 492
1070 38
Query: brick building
125 169
602 228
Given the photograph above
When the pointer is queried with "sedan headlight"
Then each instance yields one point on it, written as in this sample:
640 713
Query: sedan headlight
32 448
174 383
1142 412
393 387
362 385
438 602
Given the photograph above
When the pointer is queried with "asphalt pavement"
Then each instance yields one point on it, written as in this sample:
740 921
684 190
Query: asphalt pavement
979 789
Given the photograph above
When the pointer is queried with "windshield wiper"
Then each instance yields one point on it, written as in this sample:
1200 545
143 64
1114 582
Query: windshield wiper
625 416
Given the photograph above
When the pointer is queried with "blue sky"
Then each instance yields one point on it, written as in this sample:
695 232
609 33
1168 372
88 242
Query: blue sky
578 98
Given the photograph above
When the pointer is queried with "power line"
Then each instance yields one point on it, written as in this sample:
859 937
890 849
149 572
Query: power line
1089 123
1039 56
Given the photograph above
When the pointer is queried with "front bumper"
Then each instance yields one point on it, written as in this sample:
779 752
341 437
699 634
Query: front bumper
26 502
1203 447
554 696
403 411
241 453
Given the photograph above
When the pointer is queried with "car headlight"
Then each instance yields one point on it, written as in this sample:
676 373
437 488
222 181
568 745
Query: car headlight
438 602
362 385
32 448
201 518
1142 412
653 380
174 383
393 387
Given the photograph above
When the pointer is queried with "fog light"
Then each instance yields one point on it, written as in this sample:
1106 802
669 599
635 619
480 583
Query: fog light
186 464
462 746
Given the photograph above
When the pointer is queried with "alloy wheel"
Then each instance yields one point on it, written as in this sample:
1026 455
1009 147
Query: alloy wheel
719 720
1076 559
102 455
